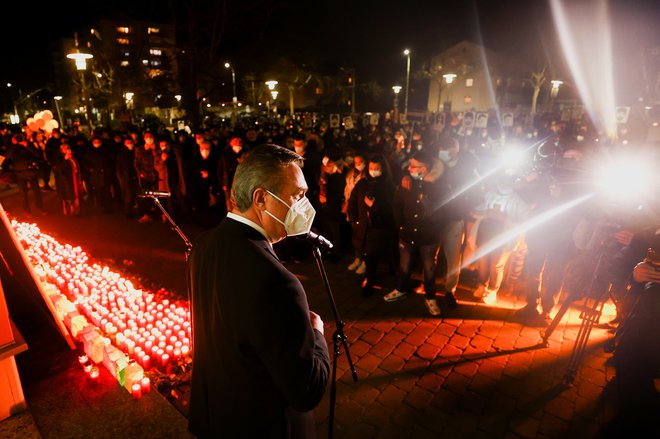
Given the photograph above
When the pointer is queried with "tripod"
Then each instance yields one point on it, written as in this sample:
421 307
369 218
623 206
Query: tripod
594 300
337 337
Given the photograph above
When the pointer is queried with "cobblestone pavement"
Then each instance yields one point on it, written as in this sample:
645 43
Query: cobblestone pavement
473 372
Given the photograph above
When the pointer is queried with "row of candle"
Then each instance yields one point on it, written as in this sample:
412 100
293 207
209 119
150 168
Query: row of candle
153 332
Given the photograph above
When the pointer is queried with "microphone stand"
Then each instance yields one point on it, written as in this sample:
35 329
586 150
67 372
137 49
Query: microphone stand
189 246
337 337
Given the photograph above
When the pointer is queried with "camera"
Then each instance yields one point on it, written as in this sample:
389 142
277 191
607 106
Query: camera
652 259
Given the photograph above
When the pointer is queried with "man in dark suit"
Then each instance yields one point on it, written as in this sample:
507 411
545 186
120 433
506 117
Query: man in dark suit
260 361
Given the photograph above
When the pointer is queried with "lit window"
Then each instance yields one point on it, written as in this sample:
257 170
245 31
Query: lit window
318 91
127 54
153 30
155 72
467 99
123 30
155 62
122 40
124 63
145 62
469 82
156 52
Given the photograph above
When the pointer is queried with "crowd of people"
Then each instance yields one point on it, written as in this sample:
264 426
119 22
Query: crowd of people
516 208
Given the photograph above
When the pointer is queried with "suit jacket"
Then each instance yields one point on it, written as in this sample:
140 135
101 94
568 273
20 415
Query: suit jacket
259 368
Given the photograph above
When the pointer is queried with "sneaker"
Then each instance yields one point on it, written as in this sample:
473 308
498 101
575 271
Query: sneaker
432 307
490 297
480 291
362 268
394 296
144 219
355 264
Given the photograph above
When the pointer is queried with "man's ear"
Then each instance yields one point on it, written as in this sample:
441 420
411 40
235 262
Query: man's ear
259 198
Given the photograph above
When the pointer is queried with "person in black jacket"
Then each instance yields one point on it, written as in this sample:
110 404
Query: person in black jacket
371 206
417 233
260 363
24 158
127 176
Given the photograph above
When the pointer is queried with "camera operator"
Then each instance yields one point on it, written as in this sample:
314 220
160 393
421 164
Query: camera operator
637 355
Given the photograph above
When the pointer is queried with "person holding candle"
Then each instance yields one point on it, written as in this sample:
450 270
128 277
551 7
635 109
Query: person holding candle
260 361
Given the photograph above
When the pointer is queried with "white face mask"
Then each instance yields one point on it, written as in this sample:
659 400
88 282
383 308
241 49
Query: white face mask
299 218
205 153
299 150
417 176
375 174
361 167
237 148
444 155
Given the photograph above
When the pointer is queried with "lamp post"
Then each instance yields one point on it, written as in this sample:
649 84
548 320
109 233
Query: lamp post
233 82
405 105
271 84
80 59
397 90
556 83
449 78
57 107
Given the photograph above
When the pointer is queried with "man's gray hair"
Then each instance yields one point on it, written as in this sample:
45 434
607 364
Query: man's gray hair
262 168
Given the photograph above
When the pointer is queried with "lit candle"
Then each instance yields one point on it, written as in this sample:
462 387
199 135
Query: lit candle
185 350
136 391
94 372
164 359
145 384
146 361
82 359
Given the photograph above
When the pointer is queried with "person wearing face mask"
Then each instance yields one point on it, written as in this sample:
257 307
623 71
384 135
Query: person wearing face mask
145 159
127 176
331 198
69 181
229 160
370 208
357 172
417 234
454 177
207 198
261 362
500 212
96 162
311 167
172 178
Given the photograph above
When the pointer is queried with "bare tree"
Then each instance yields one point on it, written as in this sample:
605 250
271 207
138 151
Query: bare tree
537 80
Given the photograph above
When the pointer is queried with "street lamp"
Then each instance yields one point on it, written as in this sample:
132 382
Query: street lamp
405 106
233 81
397 90
80 59
271 84
555 87
57 107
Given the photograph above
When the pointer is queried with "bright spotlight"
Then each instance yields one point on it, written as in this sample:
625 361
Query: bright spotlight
625 178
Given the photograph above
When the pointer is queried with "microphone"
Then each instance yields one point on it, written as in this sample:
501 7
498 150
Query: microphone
157 194
317 241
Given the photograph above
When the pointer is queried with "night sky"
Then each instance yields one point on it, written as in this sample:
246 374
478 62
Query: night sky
369 36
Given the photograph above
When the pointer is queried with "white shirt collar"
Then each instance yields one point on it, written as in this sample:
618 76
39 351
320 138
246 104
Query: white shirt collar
248 222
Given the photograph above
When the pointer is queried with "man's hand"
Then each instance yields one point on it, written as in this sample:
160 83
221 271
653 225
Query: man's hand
368 201
644 272
317 323
205 174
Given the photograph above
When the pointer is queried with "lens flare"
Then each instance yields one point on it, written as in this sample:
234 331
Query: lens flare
584 32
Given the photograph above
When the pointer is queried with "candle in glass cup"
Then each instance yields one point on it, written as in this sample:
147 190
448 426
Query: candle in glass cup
136 391
145 383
